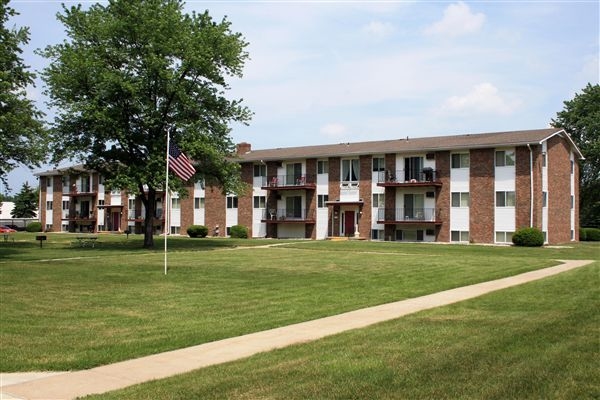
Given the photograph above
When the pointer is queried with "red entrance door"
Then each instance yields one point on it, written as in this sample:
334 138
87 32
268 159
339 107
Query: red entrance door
349 223
116 221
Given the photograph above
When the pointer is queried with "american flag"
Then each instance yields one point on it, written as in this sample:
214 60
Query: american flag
179 163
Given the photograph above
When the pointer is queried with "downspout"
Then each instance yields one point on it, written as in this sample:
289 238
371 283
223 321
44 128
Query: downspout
530 185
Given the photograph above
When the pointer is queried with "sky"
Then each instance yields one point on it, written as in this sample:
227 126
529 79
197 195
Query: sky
324 72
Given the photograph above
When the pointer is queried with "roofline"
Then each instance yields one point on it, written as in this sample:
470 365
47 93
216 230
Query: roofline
564 134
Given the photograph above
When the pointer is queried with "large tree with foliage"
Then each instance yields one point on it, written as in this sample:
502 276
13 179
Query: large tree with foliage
581 119
21 130
133 70
26 202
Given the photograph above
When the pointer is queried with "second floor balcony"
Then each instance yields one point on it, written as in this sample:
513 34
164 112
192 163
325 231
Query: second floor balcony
286 215
289 182
408 177
407 215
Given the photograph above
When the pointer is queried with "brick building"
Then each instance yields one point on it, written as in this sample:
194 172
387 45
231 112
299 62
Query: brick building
475 188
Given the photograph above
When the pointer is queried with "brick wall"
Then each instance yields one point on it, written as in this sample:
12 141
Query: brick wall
245 200
311 197
559 194
334 191
366 194
215 208
56 204
442 196
481 186
186 210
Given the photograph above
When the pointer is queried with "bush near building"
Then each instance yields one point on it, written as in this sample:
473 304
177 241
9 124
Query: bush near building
195 231
589 235
239 231
34 227
528 237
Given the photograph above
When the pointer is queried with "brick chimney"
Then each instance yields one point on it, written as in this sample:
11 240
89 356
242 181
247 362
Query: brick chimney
243 148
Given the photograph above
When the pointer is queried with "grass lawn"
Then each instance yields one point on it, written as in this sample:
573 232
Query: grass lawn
535 341
65 307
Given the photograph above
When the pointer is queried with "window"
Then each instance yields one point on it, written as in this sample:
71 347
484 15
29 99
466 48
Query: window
49 205
232 202
48 181
260 201
505 199
504 237
323 167
461 160
378 164
572 202
321 200
66 204
198 202
100 180
377 234
572 167
459 236
350 172
260 170
505 158
410 235
175 230
543 159
100 202
293 207
413 167
65 181
460 199
293 174
175 204
544 199
378 200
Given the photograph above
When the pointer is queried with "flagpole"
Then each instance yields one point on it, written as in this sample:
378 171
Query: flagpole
166 205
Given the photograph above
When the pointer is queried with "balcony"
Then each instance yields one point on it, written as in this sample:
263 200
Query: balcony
407 215
288 216
79 216
288 182
408 178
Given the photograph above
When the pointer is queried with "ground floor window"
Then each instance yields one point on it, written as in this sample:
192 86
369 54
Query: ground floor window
409 235
504 237
459 236
377 234
64 228
175 230
101 228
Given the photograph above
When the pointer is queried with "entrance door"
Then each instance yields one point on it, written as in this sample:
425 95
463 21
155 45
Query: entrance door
349 223
116 221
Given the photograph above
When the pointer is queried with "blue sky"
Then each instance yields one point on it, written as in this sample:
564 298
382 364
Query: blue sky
339 71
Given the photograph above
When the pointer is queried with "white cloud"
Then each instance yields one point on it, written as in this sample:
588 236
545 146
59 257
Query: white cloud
482 99
378 29
333 130
457 20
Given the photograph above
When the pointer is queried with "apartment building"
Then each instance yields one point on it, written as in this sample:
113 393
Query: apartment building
476 188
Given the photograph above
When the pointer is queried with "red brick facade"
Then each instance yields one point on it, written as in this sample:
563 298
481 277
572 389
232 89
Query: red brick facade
481 184
442 198
559 195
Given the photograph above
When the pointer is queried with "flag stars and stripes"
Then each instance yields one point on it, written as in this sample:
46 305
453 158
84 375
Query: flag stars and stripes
179 163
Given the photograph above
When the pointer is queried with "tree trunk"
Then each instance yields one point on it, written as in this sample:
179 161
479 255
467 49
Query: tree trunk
150 204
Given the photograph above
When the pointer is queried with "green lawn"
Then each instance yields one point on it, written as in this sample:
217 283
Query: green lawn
65 307
535 341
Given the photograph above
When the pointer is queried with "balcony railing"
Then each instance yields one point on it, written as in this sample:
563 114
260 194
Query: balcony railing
77 215
407 176
81 188
288 215
406 214
288 181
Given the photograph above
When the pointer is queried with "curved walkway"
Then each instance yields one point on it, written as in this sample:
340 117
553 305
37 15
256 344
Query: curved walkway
126 373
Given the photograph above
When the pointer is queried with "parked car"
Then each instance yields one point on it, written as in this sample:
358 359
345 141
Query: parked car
6 229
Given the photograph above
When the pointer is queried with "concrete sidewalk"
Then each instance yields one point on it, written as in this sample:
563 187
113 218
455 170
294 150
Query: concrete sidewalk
116 376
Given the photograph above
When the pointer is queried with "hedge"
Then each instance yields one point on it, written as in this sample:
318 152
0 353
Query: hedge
195 231
589 235
529 237
238 231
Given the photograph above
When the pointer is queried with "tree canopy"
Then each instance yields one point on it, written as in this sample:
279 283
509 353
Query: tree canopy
581 119
26 202
133 70
22 136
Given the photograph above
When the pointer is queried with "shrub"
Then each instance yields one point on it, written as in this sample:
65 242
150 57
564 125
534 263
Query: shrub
589 234
529 237
34 227
238 231
197 231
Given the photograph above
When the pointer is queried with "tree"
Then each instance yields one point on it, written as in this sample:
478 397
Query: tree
22 135
134 70
26 202
581 120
